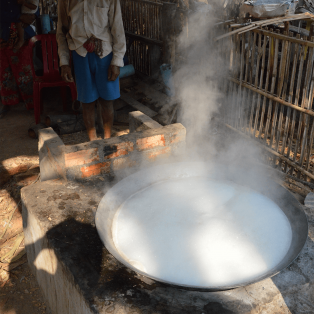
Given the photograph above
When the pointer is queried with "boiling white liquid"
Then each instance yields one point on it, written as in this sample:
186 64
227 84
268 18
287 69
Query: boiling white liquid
201 232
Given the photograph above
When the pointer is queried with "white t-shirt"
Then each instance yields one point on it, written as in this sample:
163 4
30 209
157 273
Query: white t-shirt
26 10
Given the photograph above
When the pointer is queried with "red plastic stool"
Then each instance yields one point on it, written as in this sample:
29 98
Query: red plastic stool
51 76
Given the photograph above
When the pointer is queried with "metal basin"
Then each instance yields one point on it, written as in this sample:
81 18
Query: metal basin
134 183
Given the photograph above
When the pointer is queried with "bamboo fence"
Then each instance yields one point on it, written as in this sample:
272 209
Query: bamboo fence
142 22
271 83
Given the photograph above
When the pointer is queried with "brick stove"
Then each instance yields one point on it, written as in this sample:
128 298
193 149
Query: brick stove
109 157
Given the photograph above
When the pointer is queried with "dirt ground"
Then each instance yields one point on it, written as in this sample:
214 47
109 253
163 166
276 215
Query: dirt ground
19 291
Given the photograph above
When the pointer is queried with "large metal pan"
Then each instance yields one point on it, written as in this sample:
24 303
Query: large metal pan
116 196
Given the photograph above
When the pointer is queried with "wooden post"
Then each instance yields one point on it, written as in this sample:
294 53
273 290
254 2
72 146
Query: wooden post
308 28
311 31
286 26
271 52
168 13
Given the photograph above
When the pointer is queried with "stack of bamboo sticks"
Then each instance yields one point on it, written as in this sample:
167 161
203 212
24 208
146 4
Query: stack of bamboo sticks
257 24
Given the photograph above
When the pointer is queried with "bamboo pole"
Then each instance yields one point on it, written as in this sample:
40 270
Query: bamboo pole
126 18
141 12
268 75
308 28
151 21
271 55
233 57
290 97
259 98
311 99
239 96
157 23
145 20
229 104
272 97
236 74
284 91
307 167
132 19
245 93
307 95
149 2
282 72
272 90
259 56
308 68
223 107
296 101
297 39
248 94
142 57
247 56
253 58
137 18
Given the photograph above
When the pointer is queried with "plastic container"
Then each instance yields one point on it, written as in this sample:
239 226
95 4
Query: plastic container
45 23
127 70
166 74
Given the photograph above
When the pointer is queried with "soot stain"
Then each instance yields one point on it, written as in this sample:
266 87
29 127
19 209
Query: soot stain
108 150
65 197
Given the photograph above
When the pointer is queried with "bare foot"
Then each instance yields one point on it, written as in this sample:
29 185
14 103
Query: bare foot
18 45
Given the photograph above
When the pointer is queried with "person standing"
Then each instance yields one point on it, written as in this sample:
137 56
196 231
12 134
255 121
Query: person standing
93 31
29 7
16 77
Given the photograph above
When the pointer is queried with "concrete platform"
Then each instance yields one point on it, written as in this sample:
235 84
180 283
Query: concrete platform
78 275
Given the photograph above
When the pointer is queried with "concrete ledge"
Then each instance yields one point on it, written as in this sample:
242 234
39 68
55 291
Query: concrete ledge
138 121
79 276
58 286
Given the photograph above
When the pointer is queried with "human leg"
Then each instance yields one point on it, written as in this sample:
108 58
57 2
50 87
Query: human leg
89 119
84 69
108 90
87 92
107 116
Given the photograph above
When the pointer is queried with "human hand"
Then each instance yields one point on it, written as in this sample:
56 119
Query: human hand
21 2
113 72
66 73
18 45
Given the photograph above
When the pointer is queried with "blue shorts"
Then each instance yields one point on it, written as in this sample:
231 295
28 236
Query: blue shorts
91 76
